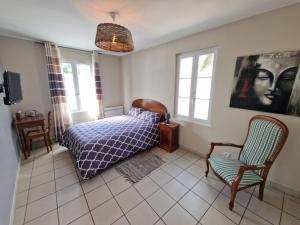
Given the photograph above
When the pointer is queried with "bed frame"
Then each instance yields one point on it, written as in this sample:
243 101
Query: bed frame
151 105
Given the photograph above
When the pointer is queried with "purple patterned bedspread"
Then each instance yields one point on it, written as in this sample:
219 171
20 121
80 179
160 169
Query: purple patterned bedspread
97 145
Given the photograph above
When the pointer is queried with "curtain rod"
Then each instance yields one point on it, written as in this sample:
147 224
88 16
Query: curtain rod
61 46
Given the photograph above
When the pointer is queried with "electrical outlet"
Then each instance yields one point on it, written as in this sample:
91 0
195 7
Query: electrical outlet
227 154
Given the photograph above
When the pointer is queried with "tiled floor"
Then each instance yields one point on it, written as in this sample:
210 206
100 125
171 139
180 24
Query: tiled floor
50 192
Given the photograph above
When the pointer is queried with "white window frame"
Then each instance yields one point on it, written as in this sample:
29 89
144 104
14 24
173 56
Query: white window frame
195 55
76 84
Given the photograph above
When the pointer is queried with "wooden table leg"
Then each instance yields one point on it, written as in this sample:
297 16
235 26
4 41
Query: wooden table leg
22 140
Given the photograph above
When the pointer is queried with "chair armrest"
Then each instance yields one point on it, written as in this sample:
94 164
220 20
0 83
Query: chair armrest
242 169
213 144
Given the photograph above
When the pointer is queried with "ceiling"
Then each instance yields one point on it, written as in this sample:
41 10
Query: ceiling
72 23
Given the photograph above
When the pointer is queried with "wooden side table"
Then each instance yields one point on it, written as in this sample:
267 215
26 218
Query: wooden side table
169 134
28 122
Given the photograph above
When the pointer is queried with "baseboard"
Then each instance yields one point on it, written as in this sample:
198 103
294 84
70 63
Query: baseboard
13 205
269 183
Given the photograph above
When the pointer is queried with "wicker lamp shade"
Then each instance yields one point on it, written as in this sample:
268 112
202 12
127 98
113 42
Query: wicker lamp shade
114 37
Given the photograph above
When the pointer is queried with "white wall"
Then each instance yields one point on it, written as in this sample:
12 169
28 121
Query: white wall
28 58
151 74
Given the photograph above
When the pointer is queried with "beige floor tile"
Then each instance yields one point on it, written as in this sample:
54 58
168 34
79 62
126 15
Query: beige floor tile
170 156
287 219
146 187
41 179
292 206
187 179
178 216
66 181
214 182
213 217
72 210
192 156
91 184
19 215
194 205
196 170
205 191
21 199
242 197
42 161
42 169
62 171
121 221
69 193
118 185
251 219
158 151
128 199
265 210
221 204
202 163
271 196
107 213
175 189
63 163
50 218
84 220
183 162
40 207
160 177
172 169
98 196
142 214
160 202
41 191
23 184
160 222
110 174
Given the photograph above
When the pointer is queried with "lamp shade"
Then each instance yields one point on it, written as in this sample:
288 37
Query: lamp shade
114 37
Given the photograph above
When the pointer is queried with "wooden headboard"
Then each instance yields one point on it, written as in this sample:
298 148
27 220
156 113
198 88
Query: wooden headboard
151 105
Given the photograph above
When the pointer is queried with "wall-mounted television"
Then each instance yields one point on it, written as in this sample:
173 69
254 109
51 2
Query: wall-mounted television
12 87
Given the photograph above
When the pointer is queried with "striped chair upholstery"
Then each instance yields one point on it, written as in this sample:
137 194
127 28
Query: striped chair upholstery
228 169
261 142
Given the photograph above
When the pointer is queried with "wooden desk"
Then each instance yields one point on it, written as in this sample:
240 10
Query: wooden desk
28 122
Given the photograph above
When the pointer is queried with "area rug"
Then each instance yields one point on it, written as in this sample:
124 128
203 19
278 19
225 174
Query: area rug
139 166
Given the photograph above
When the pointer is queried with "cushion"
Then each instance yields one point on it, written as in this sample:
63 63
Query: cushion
154 117
261 142
135 111
228 168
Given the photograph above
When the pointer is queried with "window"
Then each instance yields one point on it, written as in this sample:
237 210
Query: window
79 85
194 81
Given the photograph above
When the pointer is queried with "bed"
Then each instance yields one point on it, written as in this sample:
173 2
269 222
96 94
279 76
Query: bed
99 144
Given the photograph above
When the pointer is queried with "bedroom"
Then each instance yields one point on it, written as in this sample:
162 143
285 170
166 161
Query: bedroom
149 72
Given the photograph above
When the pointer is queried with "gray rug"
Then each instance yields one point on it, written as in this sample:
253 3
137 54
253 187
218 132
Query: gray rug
139 166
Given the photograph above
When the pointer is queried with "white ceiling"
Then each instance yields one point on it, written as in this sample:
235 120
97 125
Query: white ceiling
72 23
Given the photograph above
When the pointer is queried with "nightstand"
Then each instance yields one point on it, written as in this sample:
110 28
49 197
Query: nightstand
169 134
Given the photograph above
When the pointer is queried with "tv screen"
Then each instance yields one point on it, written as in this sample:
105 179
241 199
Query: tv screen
12 87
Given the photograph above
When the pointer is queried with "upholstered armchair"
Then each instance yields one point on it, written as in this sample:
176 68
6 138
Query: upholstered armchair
265 139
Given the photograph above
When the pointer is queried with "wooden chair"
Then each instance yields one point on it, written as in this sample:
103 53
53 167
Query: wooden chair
45 133
265 139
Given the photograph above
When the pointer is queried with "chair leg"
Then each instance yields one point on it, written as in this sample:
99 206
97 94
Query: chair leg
232 197
261 191
30 144
207 166
46 143
49 141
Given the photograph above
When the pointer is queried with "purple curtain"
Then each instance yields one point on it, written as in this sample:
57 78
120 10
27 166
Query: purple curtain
98 85
61 111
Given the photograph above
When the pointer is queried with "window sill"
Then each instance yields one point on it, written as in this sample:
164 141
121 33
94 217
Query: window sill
182 121
79 111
